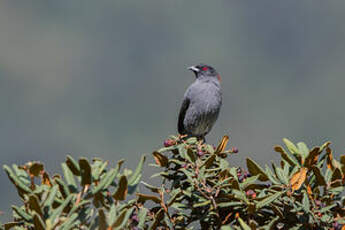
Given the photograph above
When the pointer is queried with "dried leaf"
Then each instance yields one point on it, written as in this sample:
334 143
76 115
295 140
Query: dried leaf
222 145
122 189
157 219
34 204
255 169
35 168
329 158
309 191
160 159
208 163
342 161
312 157
46 180
142 198
102 219
286 156
38 222
85 171
73 165
122 219
298 178
319 177
336 178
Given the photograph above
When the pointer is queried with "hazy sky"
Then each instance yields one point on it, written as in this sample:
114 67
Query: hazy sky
106 78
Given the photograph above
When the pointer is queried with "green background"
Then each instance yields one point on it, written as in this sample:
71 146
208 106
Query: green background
106 78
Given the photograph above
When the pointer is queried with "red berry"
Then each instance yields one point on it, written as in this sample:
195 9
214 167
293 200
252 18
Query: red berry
200 153
250 192
169 142
234 149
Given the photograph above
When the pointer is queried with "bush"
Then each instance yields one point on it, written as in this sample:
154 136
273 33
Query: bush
199 189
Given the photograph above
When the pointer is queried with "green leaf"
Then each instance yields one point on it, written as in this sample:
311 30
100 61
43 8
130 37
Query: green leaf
303 150
291 147
97 169
305 202
325 145
207 202
50 199
182 150
69 178
271 176
243 225
328 175
189 174
229 204
142 217
240 195
337 190
57 212
325 209
281 176
166 149
268 200
15 180
271 224
105 181
152 188
133 179
209 149
70 223
249 181
174 194
191 140
22 213
21 174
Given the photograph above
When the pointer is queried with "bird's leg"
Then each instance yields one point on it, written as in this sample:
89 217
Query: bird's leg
201 143
203 139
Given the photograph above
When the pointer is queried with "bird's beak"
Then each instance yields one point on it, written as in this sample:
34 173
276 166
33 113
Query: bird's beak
194 69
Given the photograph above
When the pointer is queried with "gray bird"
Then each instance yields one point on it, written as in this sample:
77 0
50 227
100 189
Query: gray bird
201 103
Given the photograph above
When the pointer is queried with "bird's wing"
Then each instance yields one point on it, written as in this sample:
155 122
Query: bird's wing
183 110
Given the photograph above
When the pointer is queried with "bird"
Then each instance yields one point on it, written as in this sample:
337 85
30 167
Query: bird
201 103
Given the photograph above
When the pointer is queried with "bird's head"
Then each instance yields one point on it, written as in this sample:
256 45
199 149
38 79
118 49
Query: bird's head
204 71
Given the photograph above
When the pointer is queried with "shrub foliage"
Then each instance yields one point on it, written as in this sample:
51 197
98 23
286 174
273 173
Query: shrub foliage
199 190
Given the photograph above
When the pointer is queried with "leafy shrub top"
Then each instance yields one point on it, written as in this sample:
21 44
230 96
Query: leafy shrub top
198 190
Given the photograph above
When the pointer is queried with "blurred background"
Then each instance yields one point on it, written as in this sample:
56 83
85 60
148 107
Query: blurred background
106 78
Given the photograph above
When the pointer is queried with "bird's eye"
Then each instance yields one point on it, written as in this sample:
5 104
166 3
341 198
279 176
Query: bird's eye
205 68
